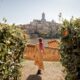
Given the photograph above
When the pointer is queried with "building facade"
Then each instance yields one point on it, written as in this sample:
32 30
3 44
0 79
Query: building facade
42 28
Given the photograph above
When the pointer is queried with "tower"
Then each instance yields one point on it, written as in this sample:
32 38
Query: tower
43 17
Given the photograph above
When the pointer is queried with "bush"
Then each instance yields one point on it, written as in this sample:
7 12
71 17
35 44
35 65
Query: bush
12 43
70 45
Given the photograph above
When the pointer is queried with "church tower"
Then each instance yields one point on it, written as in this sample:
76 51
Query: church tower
43 17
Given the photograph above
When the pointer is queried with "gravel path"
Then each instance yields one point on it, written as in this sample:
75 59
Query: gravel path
53 71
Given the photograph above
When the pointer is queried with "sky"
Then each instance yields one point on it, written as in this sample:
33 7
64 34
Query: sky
24 11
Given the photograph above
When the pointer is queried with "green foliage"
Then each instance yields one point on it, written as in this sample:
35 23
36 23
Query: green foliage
12 43
70 45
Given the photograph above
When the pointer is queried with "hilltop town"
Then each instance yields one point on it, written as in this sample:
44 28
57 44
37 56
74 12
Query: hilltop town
42 28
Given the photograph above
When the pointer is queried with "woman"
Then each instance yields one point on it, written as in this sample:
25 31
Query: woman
39 56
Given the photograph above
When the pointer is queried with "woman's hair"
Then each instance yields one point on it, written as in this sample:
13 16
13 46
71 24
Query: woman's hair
40 40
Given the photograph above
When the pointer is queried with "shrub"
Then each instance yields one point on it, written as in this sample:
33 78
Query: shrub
12 43
70 45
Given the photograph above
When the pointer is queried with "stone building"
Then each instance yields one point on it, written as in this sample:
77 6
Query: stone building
42 28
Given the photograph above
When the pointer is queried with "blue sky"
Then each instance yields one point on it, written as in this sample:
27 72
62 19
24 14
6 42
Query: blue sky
24 11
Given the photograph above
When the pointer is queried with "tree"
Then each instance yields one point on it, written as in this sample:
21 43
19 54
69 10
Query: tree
70 46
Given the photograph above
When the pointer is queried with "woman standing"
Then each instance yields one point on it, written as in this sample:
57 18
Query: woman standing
39 56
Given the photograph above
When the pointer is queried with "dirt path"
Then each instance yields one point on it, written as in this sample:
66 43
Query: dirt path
53 71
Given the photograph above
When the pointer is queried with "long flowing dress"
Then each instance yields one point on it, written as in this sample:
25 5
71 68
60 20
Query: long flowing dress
38 57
